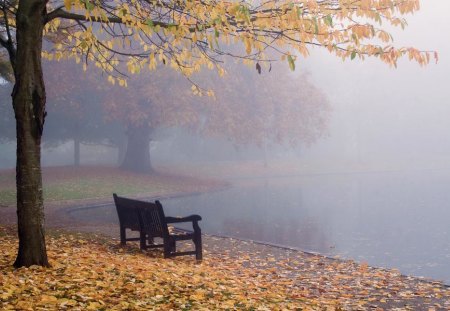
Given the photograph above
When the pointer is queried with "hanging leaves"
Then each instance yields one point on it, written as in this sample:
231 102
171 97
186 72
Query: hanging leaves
190 37
291 62
258 68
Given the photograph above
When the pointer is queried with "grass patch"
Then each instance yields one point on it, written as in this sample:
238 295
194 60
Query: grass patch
7 197
68 183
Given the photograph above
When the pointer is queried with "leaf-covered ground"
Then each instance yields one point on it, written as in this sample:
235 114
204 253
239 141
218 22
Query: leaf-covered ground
87 183
235 275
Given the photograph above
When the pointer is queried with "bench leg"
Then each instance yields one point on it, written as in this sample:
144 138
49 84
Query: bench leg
142 239
198 247
197 240
123 237
167 247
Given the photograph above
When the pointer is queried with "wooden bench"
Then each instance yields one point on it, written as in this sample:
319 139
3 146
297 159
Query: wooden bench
149 220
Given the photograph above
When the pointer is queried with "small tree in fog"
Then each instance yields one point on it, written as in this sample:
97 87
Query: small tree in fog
6 73
150 101
186 36
7 124
75 110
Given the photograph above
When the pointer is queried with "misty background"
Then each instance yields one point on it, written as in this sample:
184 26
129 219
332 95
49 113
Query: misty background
381 117
390 114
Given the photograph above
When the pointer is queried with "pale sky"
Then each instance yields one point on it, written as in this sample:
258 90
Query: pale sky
379 111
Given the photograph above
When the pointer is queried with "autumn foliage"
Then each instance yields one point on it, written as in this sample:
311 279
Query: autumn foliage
276 107
247 108
194 34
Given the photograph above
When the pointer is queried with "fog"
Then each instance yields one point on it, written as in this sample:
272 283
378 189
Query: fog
380 117
367 152
382 113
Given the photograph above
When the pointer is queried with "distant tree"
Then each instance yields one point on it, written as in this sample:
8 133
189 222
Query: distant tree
149 102
183 35
74 109
6 72
248 108
7 124
278 107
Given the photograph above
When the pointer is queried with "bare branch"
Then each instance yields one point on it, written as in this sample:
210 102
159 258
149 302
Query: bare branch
60 13
3 42
9 46
8 30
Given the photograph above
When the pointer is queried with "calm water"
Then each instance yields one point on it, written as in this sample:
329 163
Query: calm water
398 220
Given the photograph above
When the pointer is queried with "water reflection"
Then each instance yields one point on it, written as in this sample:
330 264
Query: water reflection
387 219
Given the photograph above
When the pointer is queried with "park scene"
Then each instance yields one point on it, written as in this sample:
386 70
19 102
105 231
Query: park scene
224 155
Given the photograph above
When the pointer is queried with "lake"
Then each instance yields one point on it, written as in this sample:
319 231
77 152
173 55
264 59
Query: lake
388 219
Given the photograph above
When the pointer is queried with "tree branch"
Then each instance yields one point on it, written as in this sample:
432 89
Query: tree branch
60 13
8 30
7 42
3 42
9 46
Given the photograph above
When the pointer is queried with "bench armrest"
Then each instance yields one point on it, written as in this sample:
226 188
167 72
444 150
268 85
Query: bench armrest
192 218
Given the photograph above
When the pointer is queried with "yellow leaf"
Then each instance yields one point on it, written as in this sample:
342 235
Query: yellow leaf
48 299
94 306
68 4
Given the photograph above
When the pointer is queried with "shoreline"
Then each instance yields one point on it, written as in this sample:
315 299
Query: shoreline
317 274
312 278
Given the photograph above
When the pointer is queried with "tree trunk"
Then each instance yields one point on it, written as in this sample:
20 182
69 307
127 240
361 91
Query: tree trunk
76 151
76 143
121 149
29 109
137 156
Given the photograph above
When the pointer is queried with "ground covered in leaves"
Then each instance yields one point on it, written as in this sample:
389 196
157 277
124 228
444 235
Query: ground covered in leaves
92 273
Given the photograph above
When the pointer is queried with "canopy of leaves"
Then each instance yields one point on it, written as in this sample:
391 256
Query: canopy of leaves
277 106
188 35
247 108
74 106
159 99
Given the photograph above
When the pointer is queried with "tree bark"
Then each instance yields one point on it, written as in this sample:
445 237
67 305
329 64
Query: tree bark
137 156
29 108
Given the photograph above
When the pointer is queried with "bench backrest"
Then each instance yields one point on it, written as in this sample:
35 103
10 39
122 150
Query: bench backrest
139 215
153 220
